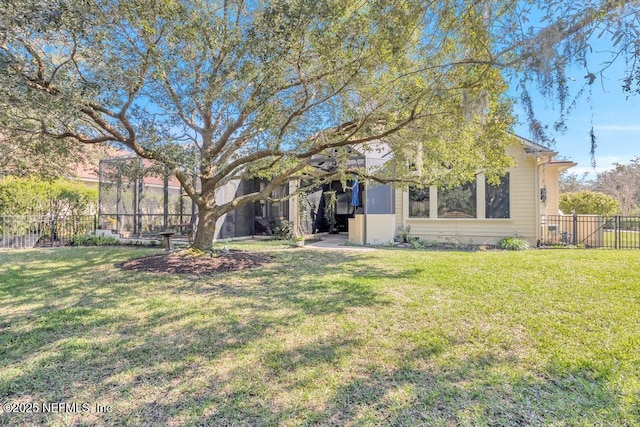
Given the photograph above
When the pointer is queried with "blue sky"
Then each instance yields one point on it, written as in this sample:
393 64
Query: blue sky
615 116
616 122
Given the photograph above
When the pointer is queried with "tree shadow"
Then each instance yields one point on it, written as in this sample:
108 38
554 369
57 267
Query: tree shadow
473 391
108 333
262 347
316 283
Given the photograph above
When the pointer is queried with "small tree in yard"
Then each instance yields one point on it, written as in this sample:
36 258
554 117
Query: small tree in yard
232 89
588 203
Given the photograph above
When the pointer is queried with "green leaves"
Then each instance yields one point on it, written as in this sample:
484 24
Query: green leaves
228 89
238 79
588 203
22 196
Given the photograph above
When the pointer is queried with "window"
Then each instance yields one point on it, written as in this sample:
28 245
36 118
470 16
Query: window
380 199
418 202
343 203
497 199
458 202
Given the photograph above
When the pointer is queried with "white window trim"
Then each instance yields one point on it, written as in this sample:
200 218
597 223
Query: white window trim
481 206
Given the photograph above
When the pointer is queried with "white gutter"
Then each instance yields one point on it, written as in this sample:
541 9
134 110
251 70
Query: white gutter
366 194
537 199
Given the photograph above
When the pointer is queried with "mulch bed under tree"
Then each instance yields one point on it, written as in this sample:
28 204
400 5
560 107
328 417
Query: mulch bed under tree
181 263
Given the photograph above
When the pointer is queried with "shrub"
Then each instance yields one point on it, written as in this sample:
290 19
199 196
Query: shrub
513 243
30 196
458 242
588 203
284 230
93 241
404 235
424 244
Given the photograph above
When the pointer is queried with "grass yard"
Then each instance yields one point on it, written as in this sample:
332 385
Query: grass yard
622 238
546 337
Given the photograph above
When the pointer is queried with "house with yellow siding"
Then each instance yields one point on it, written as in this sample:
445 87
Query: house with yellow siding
476 212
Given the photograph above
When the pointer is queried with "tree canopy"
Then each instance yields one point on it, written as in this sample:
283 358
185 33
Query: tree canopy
570 182
233 89
588 203
623 183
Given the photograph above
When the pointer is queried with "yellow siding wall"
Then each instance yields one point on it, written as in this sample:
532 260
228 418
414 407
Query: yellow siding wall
524 196
549 179
400 213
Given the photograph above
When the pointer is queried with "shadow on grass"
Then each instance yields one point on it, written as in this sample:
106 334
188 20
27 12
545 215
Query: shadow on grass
469 393
257 347
73 319
48 274
311 282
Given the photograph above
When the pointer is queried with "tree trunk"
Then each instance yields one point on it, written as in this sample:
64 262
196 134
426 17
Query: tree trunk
206 229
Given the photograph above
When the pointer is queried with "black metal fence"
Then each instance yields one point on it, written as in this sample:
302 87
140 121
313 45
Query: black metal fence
141 225
594 231
28 231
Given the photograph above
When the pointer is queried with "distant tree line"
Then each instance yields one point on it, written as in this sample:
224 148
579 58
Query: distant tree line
622 184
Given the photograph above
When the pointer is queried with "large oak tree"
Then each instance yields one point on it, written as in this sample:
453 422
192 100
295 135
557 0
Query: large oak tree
232 89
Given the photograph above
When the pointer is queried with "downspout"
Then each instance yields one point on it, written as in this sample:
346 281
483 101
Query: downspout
100 191
405 206
366 204
538 223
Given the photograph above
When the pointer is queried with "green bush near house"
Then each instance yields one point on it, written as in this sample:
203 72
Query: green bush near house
284 230
424 244
101 240
32 196
404 235
588 203
513 243
94 241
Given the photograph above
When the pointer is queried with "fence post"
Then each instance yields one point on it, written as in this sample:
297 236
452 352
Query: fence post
575 229
53 229
95 224
621 244
616 226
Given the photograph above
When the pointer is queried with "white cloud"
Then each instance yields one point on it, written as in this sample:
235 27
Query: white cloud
619 128
610 160
591 173
603 163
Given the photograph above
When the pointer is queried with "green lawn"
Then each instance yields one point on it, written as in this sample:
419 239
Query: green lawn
622 238
541 337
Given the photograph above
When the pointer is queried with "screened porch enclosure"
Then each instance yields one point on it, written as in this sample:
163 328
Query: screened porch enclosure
318 214
136 199
327 208
332 207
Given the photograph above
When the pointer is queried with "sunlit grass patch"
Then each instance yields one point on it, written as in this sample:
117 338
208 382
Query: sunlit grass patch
322 337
